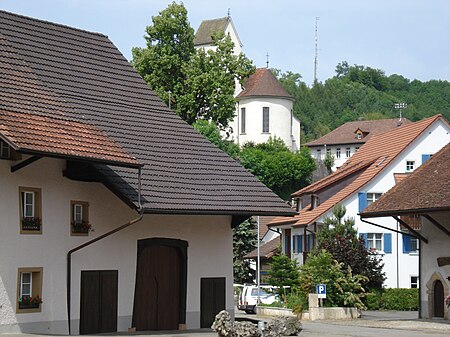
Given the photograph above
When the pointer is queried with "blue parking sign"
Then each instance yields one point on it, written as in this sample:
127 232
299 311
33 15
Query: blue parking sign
321 290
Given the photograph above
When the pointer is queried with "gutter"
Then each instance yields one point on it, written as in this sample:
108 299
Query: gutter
115 230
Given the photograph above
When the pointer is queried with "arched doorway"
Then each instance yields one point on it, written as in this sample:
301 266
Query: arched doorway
438 310
161 285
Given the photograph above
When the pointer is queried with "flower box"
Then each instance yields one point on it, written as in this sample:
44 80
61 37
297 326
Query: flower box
81 227
27 302
31 224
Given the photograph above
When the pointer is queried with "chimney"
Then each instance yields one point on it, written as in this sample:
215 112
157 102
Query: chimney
299 204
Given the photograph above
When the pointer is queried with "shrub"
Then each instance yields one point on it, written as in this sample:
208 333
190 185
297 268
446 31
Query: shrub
393 299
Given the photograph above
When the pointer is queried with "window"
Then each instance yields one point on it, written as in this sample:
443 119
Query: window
356 149
29 290
265 119
30 210
371 197
329 151
410 164
414 282
338 152
5 150
318 153
347 152
375 241
359 135
242 120
79 218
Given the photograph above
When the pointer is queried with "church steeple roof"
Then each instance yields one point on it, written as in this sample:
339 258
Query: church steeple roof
263 83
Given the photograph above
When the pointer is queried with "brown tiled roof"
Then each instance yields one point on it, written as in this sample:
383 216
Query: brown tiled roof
78 79
263 222
263 83
345 134
380 150
266 250
426 189
208 28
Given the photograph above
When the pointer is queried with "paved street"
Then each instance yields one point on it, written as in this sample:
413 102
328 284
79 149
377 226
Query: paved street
371 324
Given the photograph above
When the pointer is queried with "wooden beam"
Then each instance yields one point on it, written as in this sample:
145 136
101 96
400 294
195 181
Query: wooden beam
443 261
437 224
24 163
416 233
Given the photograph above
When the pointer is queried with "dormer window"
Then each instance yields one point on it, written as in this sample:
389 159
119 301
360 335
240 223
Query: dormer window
5 150
410 165
358 136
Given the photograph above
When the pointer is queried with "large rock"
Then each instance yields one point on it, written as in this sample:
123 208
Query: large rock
277 327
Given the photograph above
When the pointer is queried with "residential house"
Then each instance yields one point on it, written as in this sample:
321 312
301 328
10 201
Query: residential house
265 108
364 177
344 141
114 212
426 195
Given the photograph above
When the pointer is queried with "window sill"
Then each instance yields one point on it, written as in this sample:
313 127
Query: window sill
416 253
28 311
30 231
265 133
79 234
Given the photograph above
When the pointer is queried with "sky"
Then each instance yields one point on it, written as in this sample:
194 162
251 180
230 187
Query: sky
406 37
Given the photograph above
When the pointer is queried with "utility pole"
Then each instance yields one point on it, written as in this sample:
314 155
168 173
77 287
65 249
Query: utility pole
315 53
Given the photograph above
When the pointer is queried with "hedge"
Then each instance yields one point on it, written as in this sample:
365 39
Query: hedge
393 299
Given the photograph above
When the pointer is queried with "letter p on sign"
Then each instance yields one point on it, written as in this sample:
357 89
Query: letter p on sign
321 291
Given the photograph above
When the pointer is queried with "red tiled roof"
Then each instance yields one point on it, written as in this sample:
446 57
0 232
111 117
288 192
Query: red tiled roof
426 189
266 250
263 83
380 150
399 177
29 133
345 134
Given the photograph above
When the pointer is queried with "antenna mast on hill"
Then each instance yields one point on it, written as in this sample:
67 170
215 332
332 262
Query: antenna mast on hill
267 60
315 53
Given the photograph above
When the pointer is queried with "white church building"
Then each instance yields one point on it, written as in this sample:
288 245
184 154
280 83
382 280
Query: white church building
264 108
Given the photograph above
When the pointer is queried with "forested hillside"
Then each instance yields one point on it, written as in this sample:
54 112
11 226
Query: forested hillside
359 91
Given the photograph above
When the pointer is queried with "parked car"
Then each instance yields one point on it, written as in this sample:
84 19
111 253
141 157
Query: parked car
249 297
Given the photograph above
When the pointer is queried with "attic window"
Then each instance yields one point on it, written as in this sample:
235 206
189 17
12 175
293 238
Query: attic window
5 150
358 136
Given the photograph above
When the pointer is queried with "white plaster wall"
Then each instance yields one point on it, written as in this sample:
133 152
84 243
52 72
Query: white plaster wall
438 246
338 162
398 266
280 119
209 250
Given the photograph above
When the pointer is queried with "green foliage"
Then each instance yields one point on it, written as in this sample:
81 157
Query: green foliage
359 91
393 299
339 237
344 289
244 241
210 131
201 84
297 302
283 272
329 161
283 171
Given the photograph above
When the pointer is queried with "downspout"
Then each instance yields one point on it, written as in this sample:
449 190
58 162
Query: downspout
73 250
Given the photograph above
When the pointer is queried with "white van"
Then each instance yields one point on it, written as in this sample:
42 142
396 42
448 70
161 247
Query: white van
249 297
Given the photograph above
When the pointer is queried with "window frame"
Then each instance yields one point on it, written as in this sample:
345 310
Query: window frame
338 152
411 283
410 165
348 152
374 196
36 277
84 216
243 121
36 208
372 240
266 120
5 146
416 244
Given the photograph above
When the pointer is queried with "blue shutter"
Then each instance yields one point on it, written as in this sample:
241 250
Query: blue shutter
300 243
364 236
362 200
387 243
425 157
406 244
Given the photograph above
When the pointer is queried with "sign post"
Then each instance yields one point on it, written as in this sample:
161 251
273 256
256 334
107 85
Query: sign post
321 290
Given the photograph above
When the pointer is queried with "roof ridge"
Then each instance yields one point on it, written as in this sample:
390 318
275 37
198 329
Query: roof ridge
51 23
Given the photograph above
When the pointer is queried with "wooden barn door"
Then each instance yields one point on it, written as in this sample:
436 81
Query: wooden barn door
158 288
438 299
98 305
212 299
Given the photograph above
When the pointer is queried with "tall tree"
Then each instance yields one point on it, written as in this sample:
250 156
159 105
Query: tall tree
170 45
199 83
244 241
339 237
